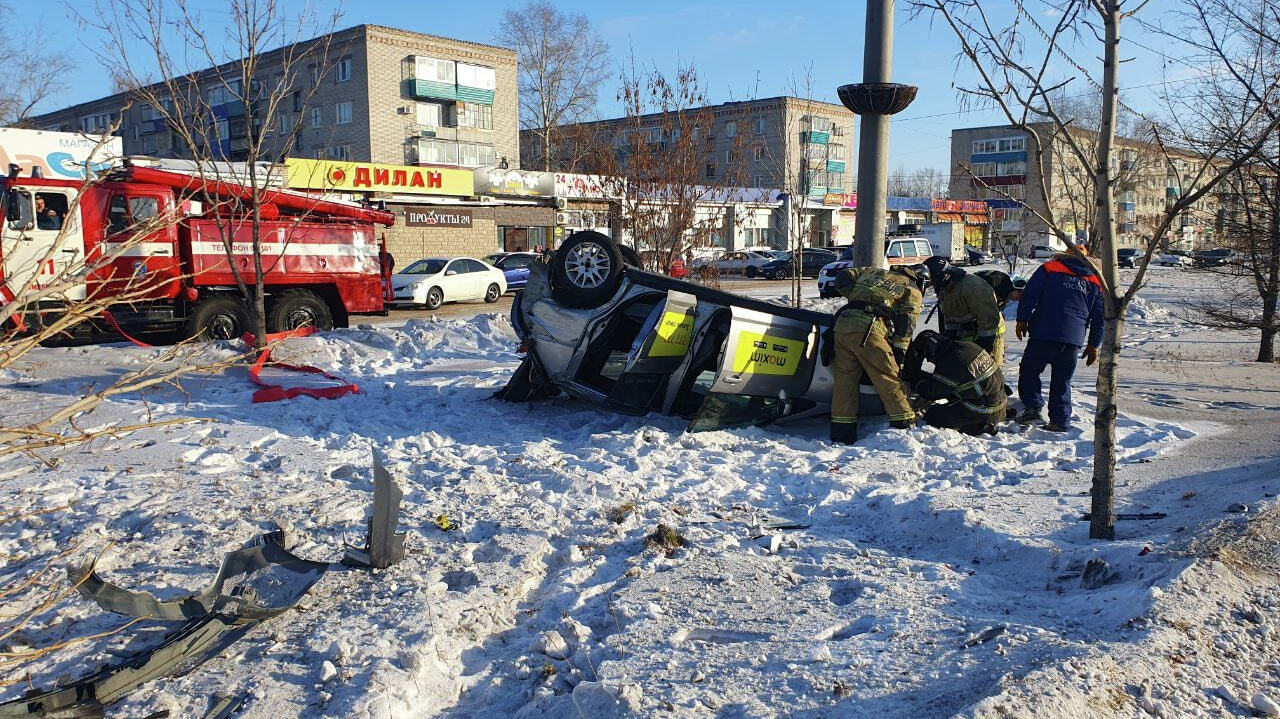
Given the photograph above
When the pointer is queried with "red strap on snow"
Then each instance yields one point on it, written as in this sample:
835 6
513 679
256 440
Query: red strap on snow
276 392
106 315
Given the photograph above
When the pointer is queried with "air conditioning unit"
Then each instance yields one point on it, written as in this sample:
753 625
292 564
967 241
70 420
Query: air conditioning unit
405 110
561 218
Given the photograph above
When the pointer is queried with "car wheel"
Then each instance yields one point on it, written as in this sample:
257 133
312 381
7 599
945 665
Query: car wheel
585 270
493 293
752 271
435 298
218 317
293 309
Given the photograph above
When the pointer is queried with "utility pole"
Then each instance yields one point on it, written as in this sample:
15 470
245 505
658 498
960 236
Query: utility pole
874 100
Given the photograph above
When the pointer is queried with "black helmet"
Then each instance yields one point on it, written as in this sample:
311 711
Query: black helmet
938 266
929 341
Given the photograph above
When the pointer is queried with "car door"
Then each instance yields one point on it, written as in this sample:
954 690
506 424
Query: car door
456 282
485 276
515 268
768 362
659 349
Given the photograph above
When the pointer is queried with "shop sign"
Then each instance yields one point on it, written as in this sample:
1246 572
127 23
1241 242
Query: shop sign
579 186
421 216
370 177
514 183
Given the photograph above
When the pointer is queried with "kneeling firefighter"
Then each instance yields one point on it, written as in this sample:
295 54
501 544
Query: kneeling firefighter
872 333
965 375
968 308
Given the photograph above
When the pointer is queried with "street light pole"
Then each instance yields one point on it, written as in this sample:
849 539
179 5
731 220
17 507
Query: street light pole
874 100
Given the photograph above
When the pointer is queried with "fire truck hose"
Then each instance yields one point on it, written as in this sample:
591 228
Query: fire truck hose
272 392
106 315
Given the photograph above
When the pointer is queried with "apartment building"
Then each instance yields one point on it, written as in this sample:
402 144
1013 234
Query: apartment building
380 95
790 143
997 164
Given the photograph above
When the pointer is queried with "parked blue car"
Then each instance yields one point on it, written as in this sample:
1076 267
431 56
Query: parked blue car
515 266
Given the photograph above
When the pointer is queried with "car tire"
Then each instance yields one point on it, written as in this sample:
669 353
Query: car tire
218 317
492 294
751 272
631 257
586 270
435 298
293 309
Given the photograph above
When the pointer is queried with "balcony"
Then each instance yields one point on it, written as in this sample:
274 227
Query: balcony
474 94
815 137
431 90
835 166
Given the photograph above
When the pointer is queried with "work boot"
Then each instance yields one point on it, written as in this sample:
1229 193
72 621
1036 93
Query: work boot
902 423
1056 428
844 432
1029 415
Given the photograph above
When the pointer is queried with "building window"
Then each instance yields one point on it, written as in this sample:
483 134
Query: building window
342 71
1012 168
344 113
481 78
1003 144
341 153
731 129
757 153
428 114
835 152
475 115
314 72
711 171
760 125
437 152
317 117
655 135
95 123
473 155
297 101
285 125
435 70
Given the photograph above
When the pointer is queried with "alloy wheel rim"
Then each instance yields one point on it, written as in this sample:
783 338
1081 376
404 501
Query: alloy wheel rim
588 265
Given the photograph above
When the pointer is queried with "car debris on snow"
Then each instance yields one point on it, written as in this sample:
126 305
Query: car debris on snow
383 545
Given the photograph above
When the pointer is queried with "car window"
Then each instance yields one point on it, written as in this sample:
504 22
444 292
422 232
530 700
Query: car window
516 263
895 249
923 249
474 266
424 267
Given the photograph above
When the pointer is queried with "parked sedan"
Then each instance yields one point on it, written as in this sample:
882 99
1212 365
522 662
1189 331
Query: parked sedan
432 282
1172 260
1213 258
738 263
1126 257
514 266
977 257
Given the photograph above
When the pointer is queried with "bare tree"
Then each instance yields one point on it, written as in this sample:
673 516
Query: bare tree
563 63
1016 57
921 182
31 72
1240 42
673 186
234 101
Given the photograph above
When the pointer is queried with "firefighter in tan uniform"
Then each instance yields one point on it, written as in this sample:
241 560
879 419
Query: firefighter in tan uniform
872 333
968 309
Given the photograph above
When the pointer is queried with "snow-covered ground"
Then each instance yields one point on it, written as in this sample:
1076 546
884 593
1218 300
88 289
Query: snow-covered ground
917 574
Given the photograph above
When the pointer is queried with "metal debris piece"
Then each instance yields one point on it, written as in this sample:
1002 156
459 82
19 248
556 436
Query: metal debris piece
224 705
383 545
984 636
214 620
1096 573
1129 516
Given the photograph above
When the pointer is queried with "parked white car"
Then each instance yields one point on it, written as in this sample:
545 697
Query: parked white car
1040 252
747 263
1174 261
432 282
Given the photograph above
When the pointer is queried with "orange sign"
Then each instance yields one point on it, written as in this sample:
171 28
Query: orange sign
370 177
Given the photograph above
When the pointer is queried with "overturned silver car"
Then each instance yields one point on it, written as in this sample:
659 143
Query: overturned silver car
637 342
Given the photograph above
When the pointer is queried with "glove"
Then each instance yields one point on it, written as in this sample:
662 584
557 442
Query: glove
828 347
899 355
987 343
1022 329
1090 355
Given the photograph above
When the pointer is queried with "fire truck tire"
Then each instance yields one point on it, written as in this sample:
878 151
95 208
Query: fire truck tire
586 270
492 294
218 317
435 298
292 309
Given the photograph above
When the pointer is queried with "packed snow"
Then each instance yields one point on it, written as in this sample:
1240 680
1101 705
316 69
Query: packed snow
916 574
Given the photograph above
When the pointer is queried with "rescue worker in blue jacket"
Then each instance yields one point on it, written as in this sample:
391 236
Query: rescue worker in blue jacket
1061 304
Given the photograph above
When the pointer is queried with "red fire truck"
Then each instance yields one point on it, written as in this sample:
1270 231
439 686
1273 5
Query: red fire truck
322 261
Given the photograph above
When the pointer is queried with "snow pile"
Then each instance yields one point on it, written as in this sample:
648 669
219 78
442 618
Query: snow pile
1146 310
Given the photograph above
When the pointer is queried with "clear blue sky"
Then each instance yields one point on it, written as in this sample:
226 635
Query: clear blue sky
743 49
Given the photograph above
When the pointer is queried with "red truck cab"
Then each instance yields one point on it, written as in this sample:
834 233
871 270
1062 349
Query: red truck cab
171 250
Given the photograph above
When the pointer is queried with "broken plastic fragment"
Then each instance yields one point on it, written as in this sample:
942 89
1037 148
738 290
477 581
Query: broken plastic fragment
383 545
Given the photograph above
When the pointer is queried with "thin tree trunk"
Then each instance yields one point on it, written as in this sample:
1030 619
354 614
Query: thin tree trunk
1267 347
259 288
1102 523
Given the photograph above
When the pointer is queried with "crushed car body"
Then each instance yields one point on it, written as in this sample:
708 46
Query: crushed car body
638 342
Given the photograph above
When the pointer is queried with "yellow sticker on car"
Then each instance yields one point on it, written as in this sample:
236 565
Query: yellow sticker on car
765 354
672 335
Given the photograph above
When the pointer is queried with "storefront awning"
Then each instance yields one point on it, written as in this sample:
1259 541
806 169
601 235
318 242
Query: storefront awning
950 217
976 220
